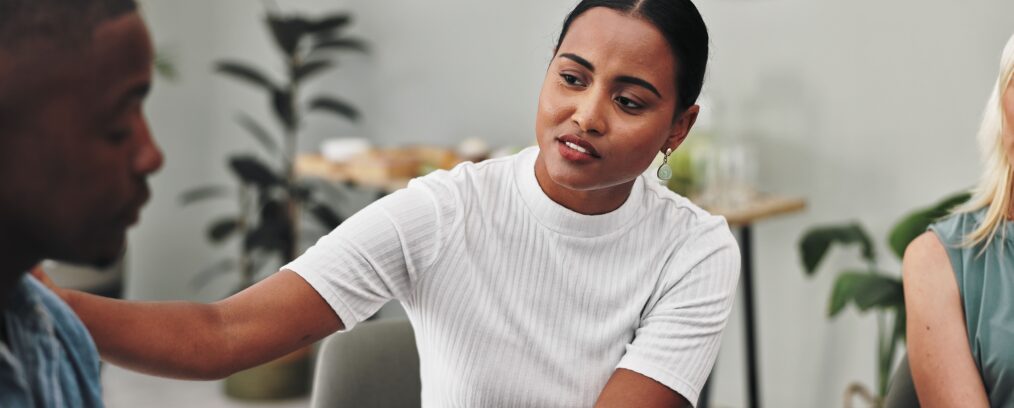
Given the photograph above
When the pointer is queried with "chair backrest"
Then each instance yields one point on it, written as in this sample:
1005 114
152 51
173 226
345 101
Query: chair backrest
901 390
374 365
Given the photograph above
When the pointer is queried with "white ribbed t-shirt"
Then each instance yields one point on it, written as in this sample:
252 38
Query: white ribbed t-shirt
517 301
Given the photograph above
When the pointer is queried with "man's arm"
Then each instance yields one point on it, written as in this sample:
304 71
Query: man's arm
630 389
207 341
941 359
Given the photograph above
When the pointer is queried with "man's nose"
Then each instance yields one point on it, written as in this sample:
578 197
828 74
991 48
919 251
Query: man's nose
148 158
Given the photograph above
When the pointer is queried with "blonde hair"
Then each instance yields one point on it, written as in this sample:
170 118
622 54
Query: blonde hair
994 188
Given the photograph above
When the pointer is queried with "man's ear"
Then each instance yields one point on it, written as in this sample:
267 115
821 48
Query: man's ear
681 127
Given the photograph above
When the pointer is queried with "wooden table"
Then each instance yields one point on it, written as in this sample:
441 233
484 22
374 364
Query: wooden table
316 166
743 217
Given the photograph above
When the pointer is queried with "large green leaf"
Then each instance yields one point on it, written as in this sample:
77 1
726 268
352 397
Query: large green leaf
866 290
246 74
816 243
915 223
900 320
222 229
329 24
879 291
204 193
335 106
252 171
287 32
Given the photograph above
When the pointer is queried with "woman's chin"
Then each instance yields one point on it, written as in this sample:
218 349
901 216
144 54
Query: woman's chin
573 179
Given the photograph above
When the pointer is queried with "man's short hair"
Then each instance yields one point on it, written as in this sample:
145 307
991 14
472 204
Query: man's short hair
64 23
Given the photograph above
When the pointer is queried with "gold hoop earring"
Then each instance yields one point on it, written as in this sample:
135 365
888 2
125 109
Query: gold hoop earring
664 171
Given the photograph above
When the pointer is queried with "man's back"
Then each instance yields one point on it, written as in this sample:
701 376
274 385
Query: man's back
47 345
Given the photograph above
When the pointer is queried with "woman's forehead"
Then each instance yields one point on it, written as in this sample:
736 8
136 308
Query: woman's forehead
617 43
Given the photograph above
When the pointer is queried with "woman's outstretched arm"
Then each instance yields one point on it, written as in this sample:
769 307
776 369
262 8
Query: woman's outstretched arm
942 367
207 341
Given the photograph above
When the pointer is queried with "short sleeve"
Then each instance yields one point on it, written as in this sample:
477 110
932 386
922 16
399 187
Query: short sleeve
681 328
379 253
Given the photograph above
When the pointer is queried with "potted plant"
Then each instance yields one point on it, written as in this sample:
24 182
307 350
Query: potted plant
870 288
271 198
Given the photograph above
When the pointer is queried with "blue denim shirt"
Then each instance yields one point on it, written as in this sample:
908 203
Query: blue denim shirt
49 359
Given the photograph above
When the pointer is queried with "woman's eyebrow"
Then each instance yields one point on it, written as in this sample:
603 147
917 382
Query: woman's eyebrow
640 82
579 60
623 78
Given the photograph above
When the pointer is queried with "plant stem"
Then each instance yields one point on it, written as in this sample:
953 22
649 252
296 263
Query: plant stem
292 206
245 261
883 338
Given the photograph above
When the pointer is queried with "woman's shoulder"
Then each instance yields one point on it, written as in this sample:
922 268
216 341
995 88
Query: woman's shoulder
678 209
953 229
685 225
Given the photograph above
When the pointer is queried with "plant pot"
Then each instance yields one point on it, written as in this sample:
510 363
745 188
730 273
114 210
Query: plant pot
286 377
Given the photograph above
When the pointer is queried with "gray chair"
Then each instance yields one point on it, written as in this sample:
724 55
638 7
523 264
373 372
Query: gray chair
901 389
376 364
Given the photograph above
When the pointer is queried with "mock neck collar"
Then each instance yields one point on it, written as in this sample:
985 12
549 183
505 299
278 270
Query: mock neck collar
562 219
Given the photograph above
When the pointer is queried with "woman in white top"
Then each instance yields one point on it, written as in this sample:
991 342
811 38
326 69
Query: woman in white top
555 277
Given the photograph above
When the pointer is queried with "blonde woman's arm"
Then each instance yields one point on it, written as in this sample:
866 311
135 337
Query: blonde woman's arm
943 370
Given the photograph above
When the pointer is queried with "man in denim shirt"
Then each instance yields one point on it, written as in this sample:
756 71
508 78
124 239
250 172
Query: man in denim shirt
75 153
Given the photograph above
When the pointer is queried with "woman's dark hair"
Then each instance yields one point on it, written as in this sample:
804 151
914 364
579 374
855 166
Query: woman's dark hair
683 28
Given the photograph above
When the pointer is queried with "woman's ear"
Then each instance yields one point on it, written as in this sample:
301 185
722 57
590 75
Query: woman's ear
681 127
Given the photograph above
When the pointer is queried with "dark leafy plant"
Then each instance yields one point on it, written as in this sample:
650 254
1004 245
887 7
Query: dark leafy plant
867 287
270 196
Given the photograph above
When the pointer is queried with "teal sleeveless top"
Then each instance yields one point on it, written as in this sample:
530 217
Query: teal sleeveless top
986 283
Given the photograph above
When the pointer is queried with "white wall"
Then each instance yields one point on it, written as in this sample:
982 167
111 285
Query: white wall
866 108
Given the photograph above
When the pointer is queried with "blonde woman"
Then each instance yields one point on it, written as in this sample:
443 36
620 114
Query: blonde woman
959 279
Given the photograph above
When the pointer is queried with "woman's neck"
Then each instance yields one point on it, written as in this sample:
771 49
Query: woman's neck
587 202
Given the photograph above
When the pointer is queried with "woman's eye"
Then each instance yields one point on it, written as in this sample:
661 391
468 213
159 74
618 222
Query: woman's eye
571 80
627 103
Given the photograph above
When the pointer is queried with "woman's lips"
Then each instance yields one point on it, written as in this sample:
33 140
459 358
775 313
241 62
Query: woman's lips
576 149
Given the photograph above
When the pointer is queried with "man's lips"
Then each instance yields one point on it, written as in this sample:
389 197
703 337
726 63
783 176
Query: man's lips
580 144
133 210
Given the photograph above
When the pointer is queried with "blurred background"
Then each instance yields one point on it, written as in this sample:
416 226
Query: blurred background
864 109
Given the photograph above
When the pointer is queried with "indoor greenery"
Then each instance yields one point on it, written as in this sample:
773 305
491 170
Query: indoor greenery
271 198
868 287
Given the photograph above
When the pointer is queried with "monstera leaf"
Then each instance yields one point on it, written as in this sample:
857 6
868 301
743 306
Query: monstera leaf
915 223
816 243
866 290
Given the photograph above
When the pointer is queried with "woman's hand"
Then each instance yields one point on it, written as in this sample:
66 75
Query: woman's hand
40 274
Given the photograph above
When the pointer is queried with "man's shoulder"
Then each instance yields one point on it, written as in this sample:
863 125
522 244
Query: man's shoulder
69 329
